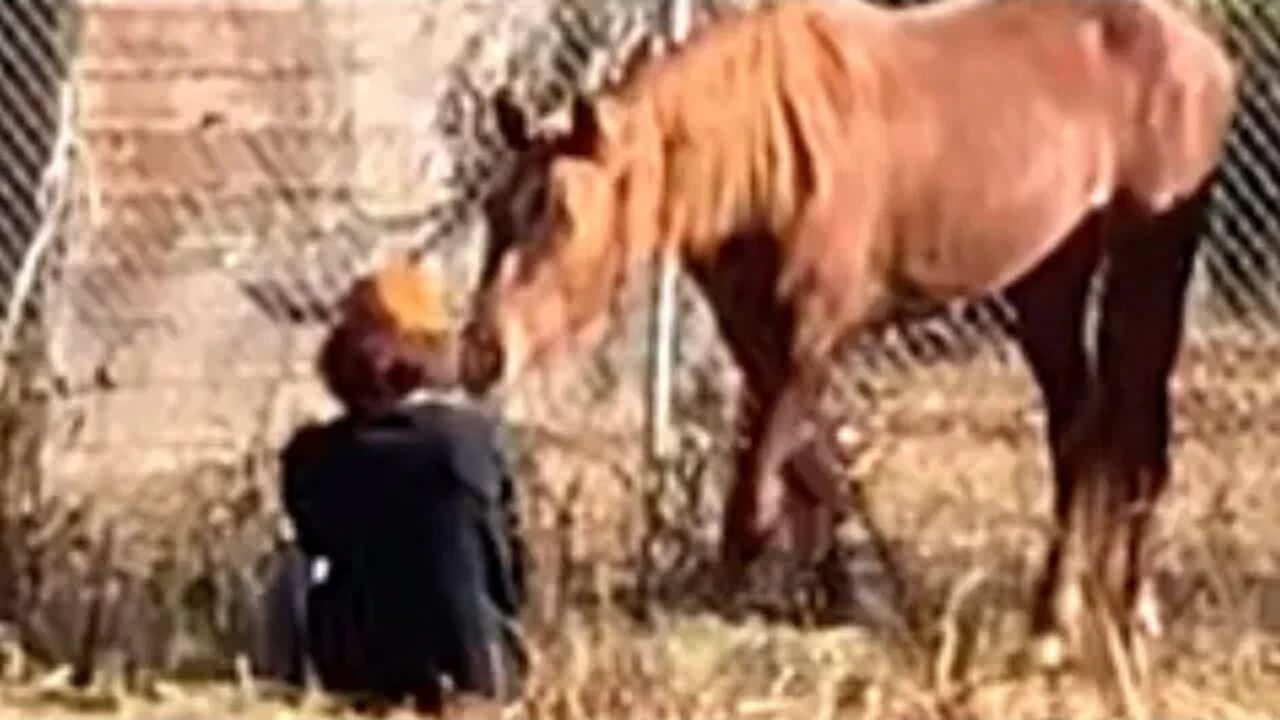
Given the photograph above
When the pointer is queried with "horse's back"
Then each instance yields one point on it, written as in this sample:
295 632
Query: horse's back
1022 65
1012 120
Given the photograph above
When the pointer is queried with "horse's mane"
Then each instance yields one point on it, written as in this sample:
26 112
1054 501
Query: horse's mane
668 137
736 128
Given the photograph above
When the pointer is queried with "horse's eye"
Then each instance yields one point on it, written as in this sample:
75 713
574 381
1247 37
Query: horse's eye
538 203
529 204
559 211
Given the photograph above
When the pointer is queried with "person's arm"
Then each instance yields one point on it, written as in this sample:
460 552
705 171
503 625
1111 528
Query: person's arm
279 651
302 489
480 460
507 535
469 625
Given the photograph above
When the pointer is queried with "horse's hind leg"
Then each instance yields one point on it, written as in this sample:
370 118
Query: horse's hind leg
1050 305
1108 429
1140 334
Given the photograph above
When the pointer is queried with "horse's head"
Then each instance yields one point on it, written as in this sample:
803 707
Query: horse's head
521 195
551 254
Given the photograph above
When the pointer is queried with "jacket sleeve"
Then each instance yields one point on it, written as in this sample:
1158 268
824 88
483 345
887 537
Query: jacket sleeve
302 489
469 627
508 530
482 463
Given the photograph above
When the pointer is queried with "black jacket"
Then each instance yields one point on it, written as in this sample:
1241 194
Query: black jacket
407 522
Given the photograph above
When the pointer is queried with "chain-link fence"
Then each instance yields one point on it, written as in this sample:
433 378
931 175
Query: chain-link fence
188 190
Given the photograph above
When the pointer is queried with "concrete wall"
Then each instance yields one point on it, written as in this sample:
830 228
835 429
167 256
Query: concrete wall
223 142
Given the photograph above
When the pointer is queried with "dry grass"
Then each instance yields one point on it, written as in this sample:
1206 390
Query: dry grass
955 473
702 667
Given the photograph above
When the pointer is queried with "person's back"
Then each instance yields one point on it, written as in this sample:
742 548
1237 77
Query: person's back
404 511
404 519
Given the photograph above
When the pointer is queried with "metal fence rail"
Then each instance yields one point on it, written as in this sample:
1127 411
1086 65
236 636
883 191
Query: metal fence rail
1243 253
33 54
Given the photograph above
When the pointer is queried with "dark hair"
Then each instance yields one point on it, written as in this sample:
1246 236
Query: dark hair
369 367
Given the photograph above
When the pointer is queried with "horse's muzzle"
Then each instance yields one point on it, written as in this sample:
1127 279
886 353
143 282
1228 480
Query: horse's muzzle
480 357
439 365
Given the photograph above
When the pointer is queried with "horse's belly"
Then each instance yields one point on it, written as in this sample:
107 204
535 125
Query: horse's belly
987 253
981 192
963 243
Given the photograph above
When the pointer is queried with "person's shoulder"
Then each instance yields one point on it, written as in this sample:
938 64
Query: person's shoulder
455 423
473 440
310 440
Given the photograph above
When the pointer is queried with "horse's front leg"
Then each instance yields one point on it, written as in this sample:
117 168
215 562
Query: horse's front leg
817 503
774 429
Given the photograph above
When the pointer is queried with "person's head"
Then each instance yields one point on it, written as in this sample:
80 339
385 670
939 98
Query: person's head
392 336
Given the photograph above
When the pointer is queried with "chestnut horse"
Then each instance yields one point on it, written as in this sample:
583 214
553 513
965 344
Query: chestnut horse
822 168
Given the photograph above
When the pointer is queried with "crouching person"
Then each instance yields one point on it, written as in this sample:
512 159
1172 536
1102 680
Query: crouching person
403 509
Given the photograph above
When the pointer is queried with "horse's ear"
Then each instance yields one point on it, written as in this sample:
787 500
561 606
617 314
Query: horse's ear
584 128
635 57
511 121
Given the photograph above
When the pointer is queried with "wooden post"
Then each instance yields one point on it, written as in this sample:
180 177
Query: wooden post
664 312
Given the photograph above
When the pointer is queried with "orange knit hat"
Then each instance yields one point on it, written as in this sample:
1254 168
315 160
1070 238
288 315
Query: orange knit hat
401 296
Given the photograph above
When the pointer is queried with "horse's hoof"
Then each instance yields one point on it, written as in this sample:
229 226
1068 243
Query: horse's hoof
741 545
1146 613
731 576
1140 658
1068 604
1048 652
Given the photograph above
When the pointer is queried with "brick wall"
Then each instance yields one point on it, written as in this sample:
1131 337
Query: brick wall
221 138
229 140
215 110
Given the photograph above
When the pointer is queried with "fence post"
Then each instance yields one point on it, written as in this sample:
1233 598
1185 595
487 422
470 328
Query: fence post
664 312
35 146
